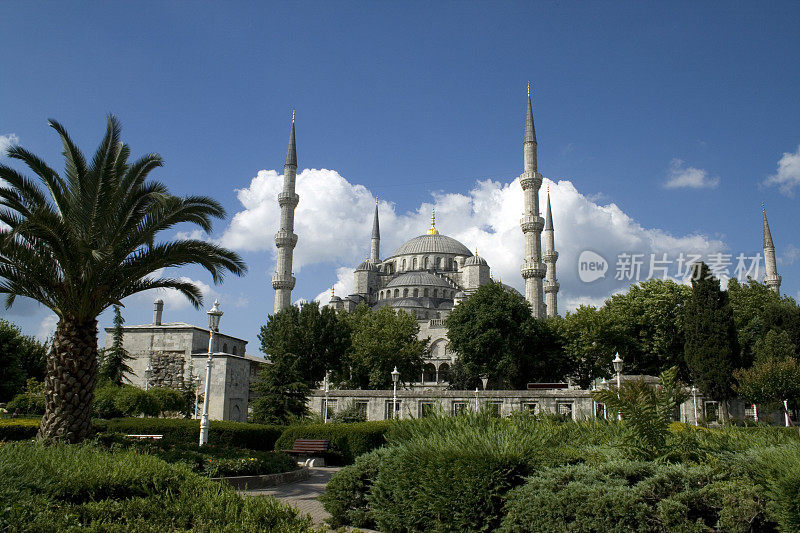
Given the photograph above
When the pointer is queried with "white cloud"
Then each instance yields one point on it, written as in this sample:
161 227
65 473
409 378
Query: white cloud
788 176
790 255
334 221
6 141
174 300
47 327
680 176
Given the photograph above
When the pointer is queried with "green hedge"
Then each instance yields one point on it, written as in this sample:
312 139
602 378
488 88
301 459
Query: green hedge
18 428
424 489
72 487
345 496
348 441
186 431
636 497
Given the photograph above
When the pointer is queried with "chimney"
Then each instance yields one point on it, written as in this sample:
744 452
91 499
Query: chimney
158 309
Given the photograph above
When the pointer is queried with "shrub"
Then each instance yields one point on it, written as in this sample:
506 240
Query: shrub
419 487
133 401
28 403
18 429
348 441
61 487
104 404
351 413
345 496
168 400
632 496
187 431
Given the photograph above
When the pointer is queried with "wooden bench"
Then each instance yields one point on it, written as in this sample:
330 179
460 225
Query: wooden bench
154 437
309 449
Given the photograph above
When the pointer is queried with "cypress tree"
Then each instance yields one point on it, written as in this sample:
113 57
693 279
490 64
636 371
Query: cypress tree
113 360
711 349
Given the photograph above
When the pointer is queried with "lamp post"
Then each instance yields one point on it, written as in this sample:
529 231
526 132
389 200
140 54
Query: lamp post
484 380
694 398
327 387
786 412
617 362
395 379
214 316
196 393
476 399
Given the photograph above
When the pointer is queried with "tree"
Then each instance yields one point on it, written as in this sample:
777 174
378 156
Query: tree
590 339
757 310
283 391
316 337
113 365
711 349
80 242
649 321
495 335
21 358
381 340
774 345
770 382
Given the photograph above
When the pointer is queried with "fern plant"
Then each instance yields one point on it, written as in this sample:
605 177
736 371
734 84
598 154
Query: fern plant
646 412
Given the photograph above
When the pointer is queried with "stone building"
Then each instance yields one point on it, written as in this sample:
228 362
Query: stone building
176 353
430 274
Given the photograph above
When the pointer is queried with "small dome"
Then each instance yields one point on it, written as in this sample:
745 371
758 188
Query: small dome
412 279
367 265
461 294
336 299
475 260
432 244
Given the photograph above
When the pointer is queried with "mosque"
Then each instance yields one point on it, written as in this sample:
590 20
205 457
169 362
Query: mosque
430 274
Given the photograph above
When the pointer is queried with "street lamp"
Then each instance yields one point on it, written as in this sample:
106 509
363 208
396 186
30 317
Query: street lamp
214 316
327 387
484 380
196 394
476 400
694 398
617 362
395 379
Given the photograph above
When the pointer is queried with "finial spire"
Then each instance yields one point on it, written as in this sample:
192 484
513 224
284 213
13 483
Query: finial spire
433 230
767 233
530 131
291 151
333 291
529 93
548 217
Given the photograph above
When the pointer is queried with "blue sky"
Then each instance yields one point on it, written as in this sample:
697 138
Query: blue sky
423 105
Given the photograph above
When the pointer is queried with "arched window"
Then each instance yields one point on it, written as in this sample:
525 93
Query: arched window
438 263
405 293
234 349
444 372
225 347
396 293
414 264
429 373
450 263
425 263
435 293
416 293
403 265
425 293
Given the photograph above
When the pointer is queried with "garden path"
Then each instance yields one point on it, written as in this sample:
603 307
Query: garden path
303 494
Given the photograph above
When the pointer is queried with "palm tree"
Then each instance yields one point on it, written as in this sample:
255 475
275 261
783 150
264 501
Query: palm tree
82 242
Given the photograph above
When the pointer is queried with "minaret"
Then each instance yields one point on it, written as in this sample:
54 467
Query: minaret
532 268
375 245
285 239
550 258
771 279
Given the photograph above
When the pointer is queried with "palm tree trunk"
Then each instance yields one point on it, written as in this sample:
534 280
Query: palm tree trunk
70 381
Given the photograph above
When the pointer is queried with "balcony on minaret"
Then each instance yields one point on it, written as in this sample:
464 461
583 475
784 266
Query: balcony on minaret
531 223
288 198
530 179
550 257
533 270
285 238
283 282
550 286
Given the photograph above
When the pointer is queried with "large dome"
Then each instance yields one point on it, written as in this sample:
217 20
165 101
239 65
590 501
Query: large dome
432 244
419 279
